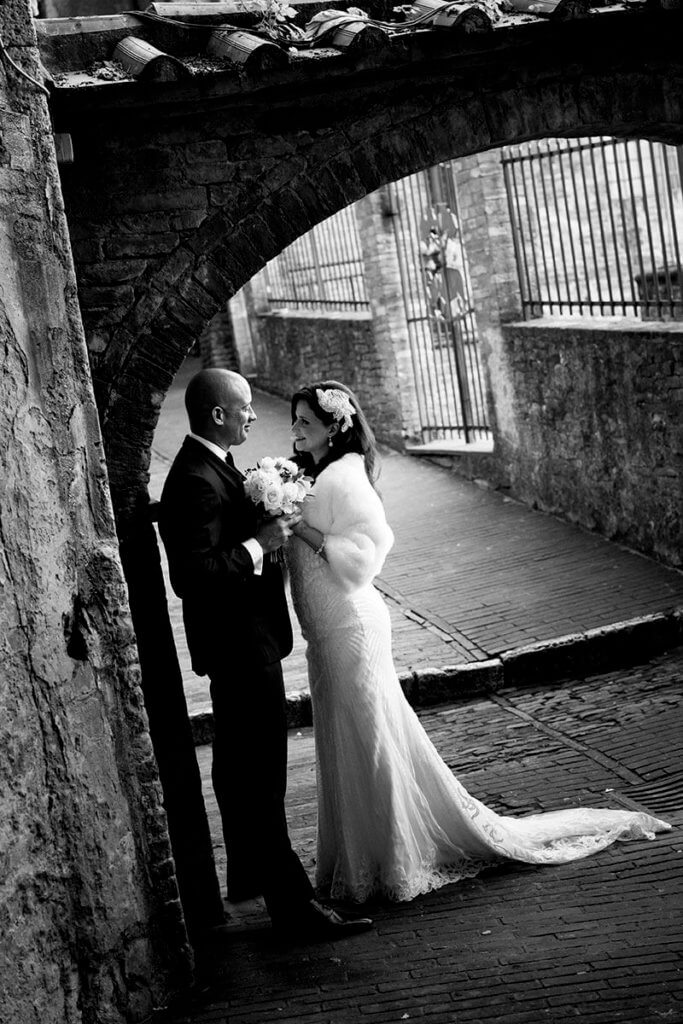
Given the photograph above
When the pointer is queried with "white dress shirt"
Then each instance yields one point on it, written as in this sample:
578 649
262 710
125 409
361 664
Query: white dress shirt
251 544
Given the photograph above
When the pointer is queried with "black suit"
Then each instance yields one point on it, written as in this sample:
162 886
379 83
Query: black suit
238 629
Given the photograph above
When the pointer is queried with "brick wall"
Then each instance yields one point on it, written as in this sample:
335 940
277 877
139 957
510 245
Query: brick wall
598 427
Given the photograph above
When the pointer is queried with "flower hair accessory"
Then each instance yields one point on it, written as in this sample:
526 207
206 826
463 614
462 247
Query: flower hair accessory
338 404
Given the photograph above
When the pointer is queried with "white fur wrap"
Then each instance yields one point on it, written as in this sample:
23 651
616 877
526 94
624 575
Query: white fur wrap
346 508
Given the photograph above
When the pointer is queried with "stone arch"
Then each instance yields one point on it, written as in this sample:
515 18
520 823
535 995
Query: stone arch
238 186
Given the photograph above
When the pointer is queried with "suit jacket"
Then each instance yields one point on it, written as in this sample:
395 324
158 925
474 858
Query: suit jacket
231 615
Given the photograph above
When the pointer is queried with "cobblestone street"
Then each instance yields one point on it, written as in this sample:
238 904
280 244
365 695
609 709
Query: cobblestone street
596 940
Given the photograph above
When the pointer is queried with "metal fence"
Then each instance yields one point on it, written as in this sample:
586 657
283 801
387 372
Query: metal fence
597 227
449 380
322 270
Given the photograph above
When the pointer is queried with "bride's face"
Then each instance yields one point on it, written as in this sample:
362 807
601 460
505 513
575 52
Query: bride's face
310 433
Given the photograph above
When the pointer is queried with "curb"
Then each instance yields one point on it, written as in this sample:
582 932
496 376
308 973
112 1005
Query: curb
573 656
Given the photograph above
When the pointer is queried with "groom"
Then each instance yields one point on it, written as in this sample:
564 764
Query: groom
238 629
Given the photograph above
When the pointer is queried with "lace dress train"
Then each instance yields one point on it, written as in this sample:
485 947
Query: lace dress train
393 820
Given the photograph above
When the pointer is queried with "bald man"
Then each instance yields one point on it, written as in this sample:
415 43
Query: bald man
238 630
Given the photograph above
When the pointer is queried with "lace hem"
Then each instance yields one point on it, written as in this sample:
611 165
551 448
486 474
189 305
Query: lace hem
427 880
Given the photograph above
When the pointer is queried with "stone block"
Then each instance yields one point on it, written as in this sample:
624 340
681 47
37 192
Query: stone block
175 268
215 229
153 245
578 655
144 309
349 181
154 223
198 299
96 299
186 220
87 250
114 272
205 151
179 318
167 200
456 682
214 279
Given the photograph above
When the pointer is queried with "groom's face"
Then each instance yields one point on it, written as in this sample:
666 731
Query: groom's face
238 414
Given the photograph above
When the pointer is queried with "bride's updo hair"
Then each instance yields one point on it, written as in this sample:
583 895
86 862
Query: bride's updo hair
357 438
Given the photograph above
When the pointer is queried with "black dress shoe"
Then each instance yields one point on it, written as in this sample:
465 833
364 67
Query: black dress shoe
320 922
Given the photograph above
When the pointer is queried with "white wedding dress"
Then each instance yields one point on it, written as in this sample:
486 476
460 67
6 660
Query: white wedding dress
393 821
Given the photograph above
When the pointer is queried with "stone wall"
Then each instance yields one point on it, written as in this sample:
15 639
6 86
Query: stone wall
90 925
597 412
294 347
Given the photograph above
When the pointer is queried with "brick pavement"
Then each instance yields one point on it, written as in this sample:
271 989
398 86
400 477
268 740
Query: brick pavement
597 940
472 573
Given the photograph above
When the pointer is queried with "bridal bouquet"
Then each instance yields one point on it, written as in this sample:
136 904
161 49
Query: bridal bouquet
278 485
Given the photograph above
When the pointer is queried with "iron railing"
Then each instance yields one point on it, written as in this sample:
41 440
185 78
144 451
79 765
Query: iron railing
322 270
597 227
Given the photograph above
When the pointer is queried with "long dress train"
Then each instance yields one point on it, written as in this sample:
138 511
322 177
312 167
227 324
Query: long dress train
393 820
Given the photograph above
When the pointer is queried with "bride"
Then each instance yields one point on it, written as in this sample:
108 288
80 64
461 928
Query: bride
393 821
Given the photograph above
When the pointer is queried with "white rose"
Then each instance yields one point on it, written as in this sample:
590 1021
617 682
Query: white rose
272 499
256 485
290 497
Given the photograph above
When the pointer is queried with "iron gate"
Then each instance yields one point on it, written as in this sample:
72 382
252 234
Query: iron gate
438 304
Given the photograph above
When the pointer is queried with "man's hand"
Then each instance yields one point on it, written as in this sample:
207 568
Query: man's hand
273 533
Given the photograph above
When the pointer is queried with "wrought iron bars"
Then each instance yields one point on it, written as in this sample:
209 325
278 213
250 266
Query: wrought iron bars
322 270
597 227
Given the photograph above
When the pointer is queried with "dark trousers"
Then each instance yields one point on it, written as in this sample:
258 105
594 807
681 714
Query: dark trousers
249 774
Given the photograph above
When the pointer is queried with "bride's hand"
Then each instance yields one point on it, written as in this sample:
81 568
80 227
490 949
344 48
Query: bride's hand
299 527
273 533
293 521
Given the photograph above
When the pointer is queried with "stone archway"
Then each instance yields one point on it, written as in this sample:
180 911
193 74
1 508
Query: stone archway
177 201
179 193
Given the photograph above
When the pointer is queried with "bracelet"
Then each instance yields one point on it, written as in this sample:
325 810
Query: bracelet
319 551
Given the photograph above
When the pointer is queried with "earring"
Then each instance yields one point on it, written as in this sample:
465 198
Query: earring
330 442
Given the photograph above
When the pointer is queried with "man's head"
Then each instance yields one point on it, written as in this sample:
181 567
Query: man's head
218 404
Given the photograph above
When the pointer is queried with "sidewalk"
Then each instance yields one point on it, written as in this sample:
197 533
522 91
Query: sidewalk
473 575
